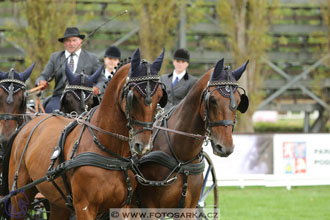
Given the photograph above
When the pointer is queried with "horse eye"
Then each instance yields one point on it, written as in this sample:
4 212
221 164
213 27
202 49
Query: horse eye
213 100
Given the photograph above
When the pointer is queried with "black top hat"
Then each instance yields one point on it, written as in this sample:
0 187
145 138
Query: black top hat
112 52
182 54
71 32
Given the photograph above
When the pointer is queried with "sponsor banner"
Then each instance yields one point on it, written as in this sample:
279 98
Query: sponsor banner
253 154
299 154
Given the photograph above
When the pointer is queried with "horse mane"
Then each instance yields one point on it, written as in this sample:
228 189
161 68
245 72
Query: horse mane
117 79
120 64
200 84
123 62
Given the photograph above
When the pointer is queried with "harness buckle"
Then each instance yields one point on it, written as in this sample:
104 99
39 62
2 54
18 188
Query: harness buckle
130 134
207 139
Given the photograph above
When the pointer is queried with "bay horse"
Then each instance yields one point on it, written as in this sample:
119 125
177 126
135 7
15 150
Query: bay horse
172 173
123 120
78 94
13 97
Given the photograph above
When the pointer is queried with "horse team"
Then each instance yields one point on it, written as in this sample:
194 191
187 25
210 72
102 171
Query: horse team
119 153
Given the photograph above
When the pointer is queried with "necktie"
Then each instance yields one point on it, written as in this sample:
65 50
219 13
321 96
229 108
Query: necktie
175 81
71 62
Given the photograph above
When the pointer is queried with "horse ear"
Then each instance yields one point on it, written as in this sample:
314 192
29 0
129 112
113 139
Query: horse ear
157 64
26 74
135 63
69 74
95 75
217 70
239 71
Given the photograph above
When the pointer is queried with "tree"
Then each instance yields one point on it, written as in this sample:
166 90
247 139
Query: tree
157 21
45 22
246 23
322 74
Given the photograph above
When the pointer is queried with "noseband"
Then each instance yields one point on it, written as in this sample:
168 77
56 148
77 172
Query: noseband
8 86
136 83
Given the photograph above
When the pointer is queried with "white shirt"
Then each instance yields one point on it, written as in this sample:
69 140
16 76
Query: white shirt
180 76
75 58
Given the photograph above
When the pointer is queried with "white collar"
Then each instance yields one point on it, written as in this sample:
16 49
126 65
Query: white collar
180 76
67 53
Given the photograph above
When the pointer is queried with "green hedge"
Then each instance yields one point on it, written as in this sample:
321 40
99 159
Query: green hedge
283 126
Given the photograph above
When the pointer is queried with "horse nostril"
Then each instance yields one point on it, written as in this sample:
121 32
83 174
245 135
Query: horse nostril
138 147
219 147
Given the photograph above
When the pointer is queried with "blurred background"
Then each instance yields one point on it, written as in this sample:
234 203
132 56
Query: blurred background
286 41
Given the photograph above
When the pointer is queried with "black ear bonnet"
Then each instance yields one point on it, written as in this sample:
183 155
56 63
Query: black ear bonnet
143 77
81 86
13 81
225 82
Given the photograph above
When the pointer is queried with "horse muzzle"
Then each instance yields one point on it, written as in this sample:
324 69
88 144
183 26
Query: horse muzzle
221 150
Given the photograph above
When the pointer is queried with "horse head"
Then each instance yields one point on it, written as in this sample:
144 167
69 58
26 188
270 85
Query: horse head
78 94
220 101
12 101
141 94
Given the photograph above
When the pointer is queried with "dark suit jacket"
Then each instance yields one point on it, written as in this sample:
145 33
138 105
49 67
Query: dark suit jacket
87 62
180 90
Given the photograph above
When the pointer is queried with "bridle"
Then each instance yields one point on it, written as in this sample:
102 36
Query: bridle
226 88
81 93
8 86
128 94
208 123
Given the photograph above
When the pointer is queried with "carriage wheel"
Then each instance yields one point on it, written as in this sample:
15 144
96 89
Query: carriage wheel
208 200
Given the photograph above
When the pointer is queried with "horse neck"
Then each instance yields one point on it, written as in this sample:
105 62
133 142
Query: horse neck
186 117
110 117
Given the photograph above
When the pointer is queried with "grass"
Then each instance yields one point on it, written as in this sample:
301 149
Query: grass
275 203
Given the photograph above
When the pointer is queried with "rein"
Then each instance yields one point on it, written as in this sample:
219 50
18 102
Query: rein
196 136
14 117
171 162
118 136
84 159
